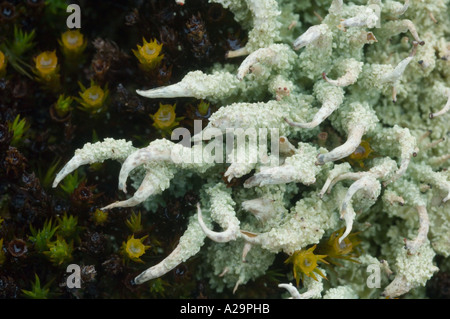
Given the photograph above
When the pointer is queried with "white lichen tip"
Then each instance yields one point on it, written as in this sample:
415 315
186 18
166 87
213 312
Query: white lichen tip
366 18
408 148
353 69
360 118
412 28
404 8
338 170
371 187
424 224
175 90
292 290
398 71
196 84
237 53
70 166
145 190
223 213
259 56
331 98
231 233
355 135
445 109
310 36
188 245
314 288
152 153
299 168
95 153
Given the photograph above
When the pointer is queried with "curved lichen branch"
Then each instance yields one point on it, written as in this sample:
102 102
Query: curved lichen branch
371 187
357 119
189 245
337 170
196 84
292 290
392 198
395 8
329 184
365 181
354 137
412 28
265 29
314 288
382 170
310 36
230 232
398 71
404 8
439 160
96 153
366 18
155 181
263 55
424 225
165 153
398 137
445 109
399 286
352 70
299 168
152 153
331 98
412 270
223 213
275 56
392 28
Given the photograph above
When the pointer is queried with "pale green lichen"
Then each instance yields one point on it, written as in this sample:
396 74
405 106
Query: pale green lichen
364 70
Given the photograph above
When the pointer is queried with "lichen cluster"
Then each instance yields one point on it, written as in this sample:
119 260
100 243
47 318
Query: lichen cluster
359 94
390 61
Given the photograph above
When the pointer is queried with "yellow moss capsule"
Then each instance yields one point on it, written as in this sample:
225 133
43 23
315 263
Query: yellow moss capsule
47 70
347 249
305 263
100 217
165 119
93 99
3 63
72 43
134 248
149 54
362 153
46 63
